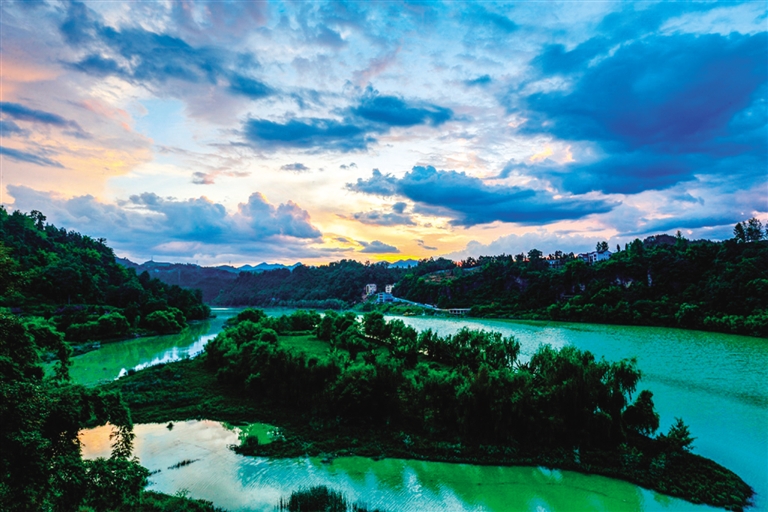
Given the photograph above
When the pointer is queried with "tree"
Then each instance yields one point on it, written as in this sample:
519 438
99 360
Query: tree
754 230
678 439
739 232
534 254
641 417
40 463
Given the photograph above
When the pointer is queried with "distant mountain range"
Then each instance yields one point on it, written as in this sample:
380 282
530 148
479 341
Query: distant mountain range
150 266
214 281
404 263
211 280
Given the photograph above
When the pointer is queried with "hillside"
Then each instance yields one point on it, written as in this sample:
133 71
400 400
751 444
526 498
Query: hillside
338 284
719 286
72 284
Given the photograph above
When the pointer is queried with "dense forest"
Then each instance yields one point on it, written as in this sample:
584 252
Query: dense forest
336 285
663 280
73 281
70 283
469 392
209 280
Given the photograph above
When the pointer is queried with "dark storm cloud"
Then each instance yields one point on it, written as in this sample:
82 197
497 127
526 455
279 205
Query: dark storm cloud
469 201
662 108
23 156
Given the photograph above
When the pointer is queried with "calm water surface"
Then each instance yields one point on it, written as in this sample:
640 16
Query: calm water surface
717 383
256 484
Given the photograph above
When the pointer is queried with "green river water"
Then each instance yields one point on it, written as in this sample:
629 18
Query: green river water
717 383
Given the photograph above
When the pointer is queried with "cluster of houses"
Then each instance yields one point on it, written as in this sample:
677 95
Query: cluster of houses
381 297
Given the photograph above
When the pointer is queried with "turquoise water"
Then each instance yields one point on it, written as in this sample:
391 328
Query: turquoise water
717 383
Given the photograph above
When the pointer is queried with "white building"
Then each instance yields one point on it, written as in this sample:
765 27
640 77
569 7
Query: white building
593 257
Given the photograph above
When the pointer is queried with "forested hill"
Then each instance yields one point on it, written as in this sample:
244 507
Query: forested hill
209 280
717 286
72 284
338 284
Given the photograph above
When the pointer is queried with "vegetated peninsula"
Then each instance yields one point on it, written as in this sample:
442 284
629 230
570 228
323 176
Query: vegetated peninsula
337 385
662 280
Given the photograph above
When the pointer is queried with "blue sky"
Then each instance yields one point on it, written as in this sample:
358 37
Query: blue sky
243 132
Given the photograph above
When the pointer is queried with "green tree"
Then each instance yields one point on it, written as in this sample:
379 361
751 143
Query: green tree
739 233
754 230
641 417
678 439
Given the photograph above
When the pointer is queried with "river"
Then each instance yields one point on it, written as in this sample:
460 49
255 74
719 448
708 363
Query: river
715 382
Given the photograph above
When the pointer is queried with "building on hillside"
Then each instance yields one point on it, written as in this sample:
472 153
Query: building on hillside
388 288
370 289
554 263
384 297
593 257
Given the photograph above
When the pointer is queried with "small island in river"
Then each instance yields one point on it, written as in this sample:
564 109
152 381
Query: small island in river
338 386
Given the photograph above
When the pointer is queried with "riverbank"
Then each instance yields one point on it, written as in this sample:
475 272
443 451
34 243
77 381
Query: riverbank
186 390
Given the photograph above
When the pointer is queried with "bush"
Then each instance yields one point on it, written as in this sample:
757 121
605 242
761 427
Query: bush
168 321
315 499
112 325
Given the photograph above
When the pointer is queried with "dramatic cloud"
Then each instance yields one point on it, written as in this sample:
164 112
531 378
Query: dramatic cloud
147 222
144 57
377 247
469 201
596 119
287 219
307 134
663 108
372 116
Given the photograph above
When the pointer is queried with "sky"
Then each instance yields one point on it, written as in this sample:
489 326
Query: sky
238 132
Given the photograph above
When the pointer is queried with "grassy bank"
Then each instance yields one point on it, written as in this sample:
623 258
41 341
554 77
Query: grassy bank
187 390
